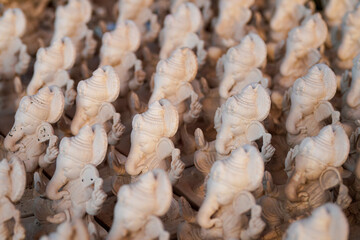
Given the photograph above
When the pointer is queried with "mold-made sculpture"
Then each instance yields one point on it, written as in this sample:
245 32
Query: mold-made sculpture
139 206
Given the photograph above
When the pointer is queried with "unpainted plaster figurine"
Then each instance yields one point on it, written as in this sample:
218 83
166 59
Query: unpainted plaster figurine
140 12
139 206
349 46
312 168
288 15
302 49
327 222
151 144
228 198
240 66
310 104
13 181
118 50
203 5
93 103
14 58
32 129
351 92
230 26
172 81
69 230
51 68
334 11
238 122
180 30
76 187
71 21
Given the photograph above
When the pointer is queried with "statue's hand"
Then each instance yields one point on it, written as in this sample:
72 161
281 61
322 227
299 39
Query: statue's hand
195 106
256 224
24 60
303 196
52 150
335 117
269 184
19 232
343 199
267 150
117 128
216 222
140 77
177 166
98 195
70 94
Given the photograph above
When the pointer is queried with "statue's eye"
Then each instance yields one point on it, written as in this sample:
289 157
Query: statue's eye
82 180
91 179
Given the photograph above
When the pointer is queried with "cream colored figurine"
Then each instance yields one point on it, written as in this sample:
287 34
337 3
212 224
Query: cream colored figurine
118 50
76 187
14 59
180 30
139 206
288 15
71 21
203 5
302 49
349 46
327 222
139 11
32 129
13 182
240 66
69 230
313 171
230 26
310 104
93 103
51 68
172 81
238 121
334 12
223 213
150 141
351 97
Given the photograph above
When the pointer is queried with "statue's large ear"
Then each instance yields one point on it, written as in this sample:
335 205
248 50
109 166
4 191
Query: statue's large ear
191 65
69 53
20 21
263 102
255 131
196 16
260 49
100 144
44 132
330 178
184 91
134 36
86 10
163 192
112 83
171 118
244 201
18 179
164 148
57 104
330 82
106 112
341 145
